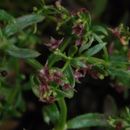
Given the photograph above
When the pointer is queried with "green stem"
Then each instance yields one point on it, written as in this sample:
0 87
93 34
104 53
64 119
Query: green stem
106 53
61 125
63 115
62 48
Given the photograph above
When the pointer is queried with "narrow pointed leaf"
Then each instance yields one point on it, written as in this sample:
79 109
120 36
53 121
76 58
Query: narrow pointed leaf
22 52
4 16
100 29
87 120
21 23
95 49
70 75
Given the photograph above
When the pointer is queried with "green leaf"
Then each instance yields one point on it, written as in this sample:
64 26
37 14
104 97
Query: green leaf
120 75
77 63
21 23
4 16
53 59
22 52
70 75
34 86
51 114
86 45
101 29
34 63
95 49
87 120
68 93
72 51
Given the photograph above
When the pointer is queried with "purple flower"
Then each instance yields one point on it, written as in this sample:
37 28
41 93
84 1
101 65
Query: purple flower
77 29
54 44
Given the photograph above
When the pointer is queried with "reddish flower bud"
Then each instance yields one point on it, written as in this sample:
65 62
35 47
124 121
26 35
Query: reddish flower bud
57 77
54 44
94 74
83 10
66 86
77 29
44 74
51 99
78 75
117 33
78 42
44 88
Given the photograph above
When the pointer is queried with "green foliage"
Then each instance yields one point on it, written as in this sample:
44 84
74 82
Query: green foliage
20 23
83 50
51 114
21 52
87 120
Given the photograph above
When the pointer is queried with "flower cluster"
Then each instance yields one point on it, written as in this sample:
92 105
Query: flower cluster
48 77
122 34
